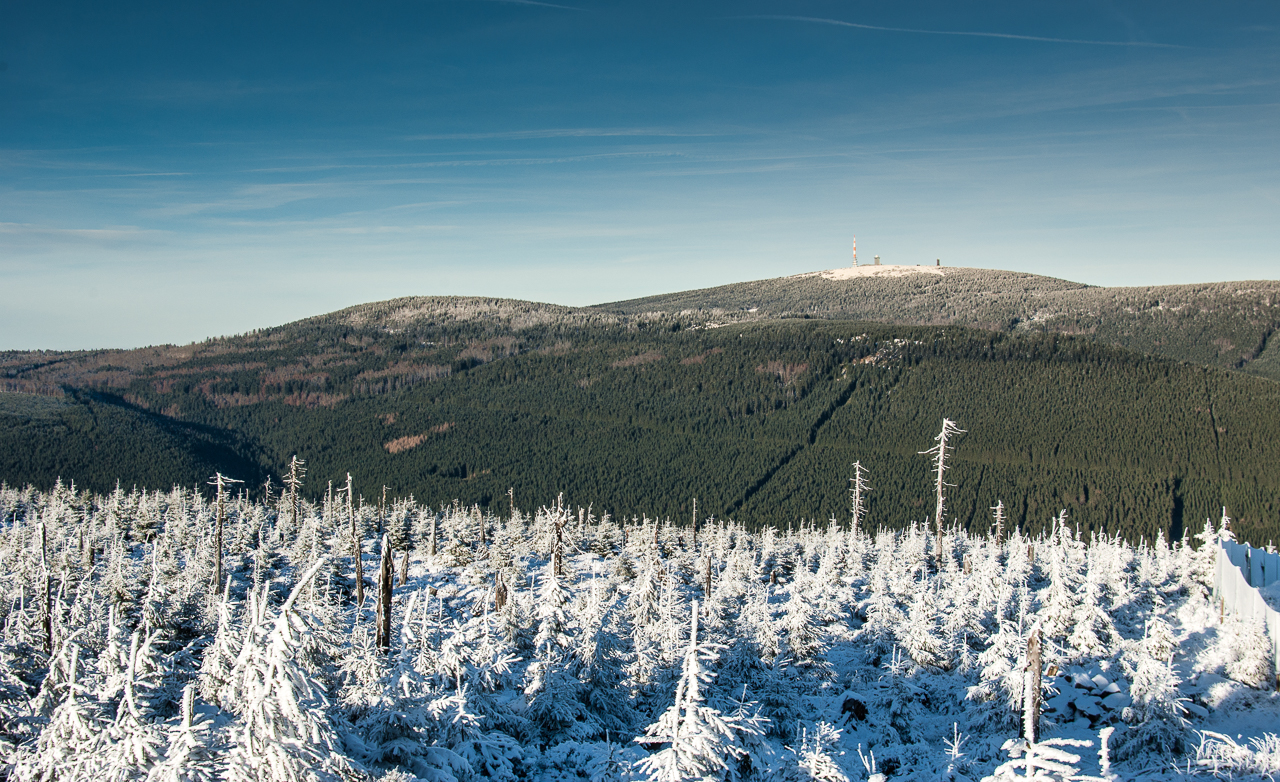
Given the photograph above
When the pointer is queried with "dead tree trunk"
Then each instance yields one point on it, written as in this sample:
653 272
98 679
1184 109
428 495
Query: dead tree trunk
404 568
1031 692
384 596
217 542
500 593
47 619
557 550
357 545
382 512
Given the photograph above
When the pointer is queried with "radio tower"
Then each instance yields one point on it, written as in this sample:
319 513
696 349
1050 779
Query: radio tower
855 251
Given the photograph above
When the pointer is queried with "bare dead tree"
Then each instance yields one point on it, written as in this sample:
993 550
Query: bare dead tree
404 568
557 546
384 596
939 452
293 482
47 618
357 545
857 493
382 511
1031 690
222 482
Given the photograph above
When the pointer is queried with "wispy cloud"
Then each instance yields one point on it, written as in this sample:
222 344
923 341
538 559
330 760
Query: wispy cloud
153 174
521 135
839 23
473 162
535 2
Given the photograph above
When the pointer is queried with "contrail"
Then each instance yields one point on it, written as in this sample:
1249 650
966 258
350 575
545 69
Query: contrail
957 32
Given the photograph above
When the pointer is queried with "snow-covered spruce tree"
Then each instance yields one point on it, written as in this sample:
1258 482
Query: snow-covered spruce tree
755 660
220 655
644 609
1094 633
802 636
883 616
918 635
401 721
1044 761
815 759
697 741
601 658
135 743
193 754
900 700
1058 601
553 690
998 694
283 732
1249 651
70 748
1205 560
1156 716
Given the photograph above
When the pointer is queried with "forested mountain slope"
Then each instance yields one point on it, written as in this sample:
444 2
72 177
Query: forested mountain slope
1224 324
466 399
98 440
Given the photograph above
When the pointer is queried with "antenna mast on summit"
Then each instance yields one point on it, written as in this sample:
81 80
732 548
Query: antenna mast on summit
855 251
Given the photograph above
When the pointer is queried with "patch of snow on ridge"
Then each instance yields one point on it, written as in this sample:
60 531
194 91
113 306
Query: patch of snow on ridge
854 272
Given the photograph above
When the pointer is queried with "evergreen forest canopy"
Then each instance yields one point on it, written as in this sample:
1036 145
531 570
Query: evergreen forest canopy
639 411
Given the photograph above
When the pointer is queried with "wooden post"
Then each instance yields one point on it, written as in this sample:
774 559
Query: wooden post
1031 693
384 596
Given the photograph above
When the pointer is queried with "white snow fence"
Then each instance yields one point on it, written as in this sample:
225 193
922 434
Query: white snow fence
1241 571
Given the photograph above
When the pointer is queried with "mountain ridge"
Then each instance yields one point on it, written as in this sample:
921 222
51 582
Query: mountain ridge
756 411
1223 324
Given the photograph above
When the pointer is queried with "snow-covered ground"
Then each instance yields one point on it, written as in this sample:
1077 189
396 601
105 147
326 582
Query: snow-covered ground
558 646
884 270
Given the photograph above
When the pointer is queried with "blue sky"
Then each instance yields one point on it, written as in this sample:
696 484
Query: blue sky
173 171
